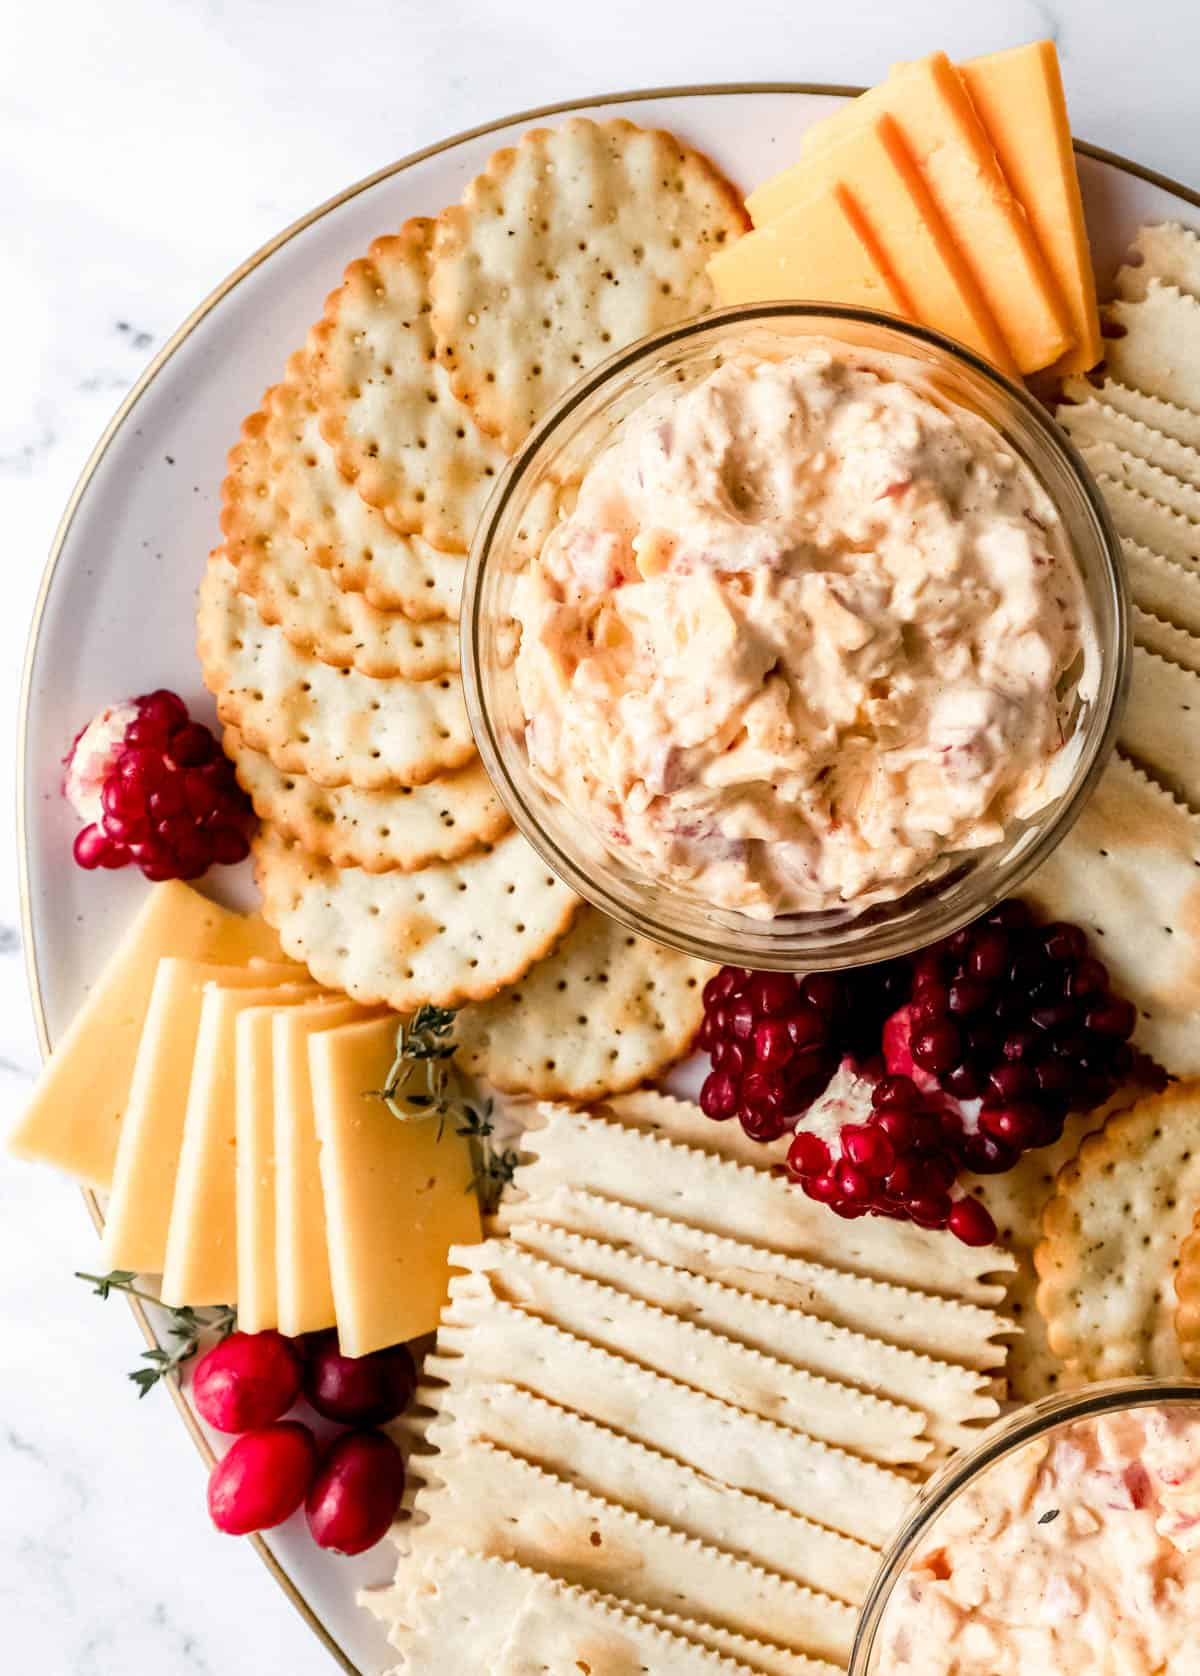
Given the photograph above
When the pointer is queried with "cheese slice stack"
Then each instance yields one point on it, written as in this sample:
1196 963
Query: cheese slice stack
961 186
229 1103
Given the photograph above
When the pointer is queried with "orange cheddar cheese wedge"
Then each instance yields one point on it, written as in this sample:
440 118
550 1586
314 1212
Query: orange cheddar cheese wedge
872 166
951 150
820 251
1018 96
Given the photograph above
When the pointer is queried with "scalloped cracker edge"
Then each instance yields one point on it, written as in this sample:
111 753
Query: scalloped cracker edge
576 241
1180 423
337 726
1160 349
604 1011
1160 728
1162 588
453 932
397 828
1112 1236
1139 517
1165 251
1093 424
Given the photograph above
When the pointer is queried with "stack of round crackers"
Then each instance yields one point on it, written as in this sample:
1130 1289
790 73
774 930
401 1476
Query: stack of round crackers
328 617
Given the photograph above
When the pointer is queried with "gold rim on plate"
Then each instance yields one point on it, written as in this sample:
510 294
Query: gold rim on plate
151 372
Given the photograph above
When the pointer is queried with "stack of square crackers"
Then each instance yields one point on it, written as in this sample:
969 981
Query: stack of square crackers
327 619
671 1415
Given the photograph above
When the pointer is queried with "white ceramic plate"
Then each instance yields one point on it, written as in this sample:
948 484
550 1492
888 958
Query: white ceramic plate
115 615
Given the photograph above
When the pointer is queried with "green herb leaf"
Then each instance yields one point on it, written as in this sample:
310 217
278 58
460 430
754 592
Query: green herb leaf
424 1082
186 1325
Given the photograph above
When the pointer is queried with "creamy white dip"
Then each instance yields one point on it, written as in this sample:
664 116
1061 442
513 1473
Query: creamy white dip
1075 1556
803 635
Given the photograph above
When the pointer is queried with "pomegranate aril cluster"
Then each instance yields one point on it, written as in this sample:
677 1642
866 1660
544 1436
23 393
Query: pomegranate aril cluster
171 801
1011 1025
773 1040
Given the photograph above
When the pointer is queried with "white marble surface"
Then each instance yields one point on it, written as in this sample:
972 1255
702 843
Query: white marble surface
146 146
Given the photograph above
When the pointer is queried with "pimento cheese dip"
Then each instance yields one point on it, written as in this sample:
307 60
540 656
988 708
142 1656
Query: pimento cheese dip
1078 1554
803 635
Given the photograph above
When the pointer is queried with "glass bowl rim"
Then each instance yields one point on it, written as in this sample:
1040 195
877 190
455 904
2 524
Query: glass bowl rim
1009 1433
747 946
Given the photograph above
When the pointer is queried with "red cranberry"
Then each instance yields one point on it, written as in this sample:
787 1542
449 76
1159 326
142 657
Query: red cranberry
356 1493
247 1380
263 1479
357 1390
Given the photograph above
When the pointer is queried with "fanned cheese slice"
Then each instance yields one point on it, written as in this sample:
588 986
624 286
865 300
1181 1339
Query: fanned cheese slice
737 1202
645 1480
302 1280
761 1384
74 1118
948 144
482 1339
147 1162
200 1262
493 1502
1018 96
397 1195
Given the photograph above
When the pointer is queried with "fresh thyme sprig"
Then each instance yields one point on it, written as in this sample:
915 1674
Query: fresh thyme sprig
424 1082
186 1326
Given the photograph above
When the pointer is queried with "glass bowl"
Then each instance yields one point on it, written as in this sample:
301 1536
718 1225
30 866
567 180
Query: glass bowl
555 456
1030 1424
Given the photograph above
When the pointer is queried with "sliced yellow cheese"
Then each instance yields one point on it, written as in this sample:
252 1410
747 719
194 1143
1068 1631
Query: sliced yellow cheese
397 1195
143 1187
200 1265
819 251
949 146
1018 96
75 1115
873 166
303 1289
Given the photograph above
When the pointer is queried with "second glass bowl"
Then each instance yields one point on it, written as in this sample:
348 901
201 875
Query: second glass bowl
558 453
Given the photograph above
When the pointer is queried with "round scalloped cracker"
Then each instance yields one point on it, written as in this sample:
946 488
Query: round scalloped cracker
335 725
276 570
401 828
1111 1240
571 244
604 1012
386 407
453 932
340 531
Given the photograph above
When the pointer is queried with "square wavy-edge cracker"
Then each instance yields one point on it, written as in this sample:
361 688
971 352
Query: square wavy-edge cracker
1094 424
455 931
1165 251
1171 419
1166 641
732 1199
604 1011
1160 728
503 1619
1140 517
1129 873
1111 462
1162 588
952 1399
645 1480
1159 351
482 1339
1112 1236
836 1414
945 1329
489 1500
